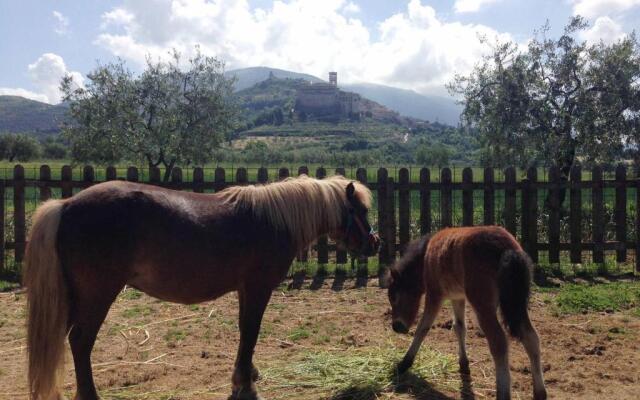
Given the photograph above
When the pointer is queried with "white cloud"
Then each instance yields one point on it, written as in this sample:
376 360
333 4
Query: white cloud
596 8
604 29
415 49
464 6
45 74
61 26
351 7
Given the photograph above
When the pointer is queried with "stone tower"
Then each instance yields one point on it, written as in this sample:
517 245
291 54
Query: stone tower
333 78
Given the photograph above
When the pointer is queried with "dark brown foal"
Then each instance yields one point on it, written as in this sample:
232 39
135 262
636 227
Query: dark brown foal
482 265
176 246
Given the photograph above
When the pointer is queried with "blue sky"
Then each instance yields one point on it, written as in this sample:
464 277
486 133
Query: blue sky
414 44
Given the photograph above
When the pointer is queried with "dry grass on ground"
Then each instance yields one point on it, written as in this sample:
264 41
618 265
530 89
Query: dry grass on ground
325 344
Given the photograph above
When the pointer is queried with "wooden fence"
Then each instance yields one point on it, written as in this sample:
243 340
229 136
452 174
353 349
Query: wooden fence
408 204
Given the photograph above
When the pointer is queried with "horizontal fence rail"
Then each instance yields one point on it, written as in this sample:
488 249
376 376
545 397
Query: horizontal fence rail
560 218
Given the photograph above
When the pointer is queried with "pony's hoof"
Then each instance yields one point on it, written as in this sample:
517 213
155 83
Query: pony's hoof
244 395
403 366
541 395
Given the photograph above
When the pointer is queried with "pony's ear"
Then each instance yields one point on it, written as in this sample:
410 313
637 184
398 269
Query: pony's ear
351 192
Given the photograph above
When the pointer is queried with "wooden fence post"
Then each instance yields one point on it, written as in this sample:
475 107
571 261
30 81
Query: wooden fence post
45 178
510 200
19 217
554 215
198 180
219 179
2 225
383 255
363 261
446 213
425 201
88 175
176 177
489 213
263 175
322 246
341 253
241 176
154 175
283 173
304 254
467 197
65 182
597 217
532 175
530 214
132 174
404 208
637 185
621 213
575 215
391 220
111 173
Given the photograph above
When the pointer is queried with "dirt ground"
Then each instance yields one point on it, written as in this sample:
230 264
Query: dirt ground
149 349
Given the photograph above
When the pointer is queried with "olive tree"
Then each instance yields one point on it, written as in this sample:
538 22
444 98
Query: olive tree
168 114
555 101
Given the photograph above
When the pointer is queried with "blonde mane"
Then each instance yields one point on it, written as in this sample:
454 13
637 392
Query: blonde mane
304 207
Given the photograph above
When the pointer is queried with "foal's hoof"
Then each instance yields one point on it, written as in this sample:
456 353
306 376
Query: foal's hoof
244 395
403 366
255 374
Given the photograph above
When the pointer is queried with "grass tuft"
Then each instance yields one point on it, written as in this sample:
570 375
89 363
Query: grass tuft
359 374
575 299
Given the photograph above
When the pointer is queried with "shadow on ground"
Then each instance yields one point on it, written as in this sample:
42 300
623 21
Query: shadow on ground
407 383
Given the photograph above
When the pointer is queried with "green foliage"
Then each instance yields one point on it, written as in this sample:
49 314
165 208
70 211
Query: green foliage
558 100
54 149
437 155
18 147
167 115
618 296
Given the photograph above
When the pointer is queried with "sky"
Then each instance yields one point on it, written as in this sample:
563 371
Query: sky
412 44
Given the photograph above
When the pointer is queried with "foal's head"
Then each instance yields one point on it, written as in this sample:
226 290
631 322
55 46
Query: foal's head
406 285
355 231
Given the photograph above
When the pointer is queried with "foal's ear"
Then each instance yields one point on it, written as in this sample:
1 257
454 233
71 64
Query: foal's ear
351 192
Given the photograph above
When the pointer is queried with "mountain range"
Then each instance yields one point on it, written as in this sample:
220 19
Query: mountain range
18 114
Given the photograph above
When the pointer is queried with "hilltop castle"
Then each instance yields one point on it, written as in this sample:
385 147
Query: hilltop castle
327 100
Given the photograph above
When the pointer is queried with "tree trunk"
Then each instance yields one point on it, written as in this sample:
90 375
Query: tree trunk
168 168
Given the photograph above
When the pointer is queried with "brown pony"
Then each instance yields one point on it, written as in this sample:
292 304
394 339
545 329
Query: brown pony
487 267
176 246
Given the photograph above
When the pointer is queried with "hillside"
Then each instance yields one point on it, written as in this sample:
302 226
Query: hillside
18 114
410 103
405 102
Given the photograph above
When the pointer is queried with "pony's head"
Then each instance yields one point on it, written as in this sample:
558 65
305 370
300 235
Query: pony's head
355 231
405 283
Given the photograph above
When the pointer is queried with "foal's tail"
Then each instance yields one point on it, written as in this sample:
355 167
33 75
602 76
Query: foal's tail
47 303
514 285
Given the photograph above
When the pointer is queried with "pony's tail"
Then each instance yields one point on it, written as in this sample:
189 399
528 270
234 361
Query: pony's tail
514 285
47 300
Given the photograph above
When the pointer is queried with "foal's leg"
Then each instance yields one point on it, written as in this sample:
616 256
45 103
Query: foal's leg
461 332
431 308
499 348
531 344
254 301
